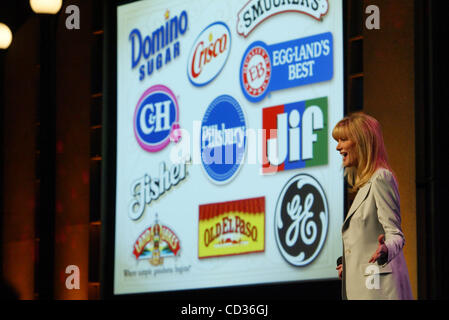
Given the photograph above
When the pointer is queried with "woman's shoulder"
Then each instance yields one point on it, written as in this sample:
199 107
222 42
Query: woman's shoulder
383 176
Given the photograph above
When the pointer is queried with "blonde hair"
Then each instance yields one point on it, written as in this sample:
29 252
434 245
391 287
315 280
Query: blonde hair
371 153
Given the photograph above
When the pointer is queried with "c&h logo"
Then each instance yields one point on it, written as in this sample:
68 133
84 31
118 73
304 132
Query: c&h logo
156 118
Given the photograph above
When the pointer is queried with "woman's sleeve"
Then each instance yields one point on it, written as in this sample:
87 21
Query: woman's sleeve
386 195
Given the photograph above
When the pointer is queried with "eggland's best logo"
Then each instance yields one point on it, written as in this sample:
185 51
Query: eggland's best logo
156 243
209 54
223 139
256 11
256 71
301 220
156 119
265 68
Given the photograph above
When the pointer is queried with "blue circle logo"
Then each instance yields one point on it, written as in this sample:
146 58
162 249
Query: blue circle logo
155 118
223 139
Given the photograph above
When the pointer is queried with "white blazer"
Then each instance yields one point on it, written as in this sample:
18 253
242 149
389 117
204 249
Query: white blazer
375 211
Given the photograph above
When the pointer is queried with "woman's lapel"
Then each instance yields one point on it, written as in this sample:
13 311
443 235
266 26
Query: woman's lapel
359 198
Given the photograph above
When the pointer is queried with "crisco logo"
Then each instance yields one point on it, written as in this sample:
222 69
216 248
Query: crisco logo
209 54
156 118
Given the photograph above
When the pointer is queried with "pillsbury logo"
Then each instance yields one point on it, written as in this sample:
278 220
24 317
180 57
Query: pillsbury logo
223 139
256 11
301 220
156 119
209 54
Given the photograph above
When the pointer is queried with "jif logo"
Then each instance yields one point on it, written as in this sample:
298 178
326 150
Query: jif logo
296 135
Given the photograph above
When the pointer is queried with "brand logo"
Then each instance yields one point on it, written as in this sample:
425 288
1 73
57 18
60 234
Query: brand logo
256 11
209 54
156 118
294 63
256 71
296 135
223 140
229 228
151 47
156 243
301 220
147 188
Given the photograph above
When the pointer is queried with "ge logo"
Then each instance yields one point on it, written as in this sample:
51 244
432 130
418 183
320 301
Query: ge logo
301 220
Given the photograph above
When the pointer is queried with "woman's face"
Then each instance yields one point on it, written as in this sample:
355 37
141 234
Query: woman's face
346 147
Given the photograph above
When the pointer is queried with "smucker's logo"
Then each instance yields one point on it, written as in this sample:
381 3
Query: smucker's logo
150 48
156 119
256 11
301 220
209 54
156 243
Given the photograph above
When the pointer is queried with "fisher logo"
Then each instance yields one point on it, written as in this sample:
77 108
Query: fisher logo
256 11
223 139
255 71
230 228
146 189
265 68
156 119
156 243
296 135
301 220
209 54
159 47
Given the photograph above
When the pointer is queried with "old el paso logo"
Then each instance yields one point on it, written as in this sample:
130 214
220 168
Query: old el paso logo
209 54
156 118
149 47
230 228
256 11
296 135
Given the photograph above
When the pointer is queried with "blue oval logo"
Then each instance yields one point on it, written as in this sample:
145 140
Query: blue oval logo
223 139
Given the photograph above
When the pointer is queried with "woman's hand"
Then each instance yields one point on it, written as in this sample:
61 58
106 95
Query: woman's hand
382 250
340 270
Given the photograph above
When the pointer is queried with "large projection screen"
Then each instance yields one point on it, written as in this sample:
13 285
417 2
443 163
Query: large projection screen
226 170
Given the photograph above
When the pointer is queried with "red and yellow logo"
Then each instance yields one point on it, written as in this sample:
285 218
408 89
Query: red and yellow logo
156 243
231 228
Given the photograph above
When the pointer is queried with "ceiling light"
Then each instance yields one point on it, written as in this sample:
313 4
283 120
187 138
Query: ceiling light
46 6
5 36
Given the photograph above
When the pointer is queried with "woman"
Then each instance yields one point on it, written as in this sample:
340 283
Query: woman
373 264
